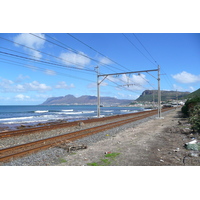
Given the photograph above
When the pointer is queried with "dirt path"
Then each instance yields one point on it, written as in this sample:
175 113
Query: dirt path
157 142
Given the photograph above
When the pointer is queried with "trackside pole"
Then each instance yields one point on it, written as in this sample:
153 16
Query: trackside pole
159 95
98 93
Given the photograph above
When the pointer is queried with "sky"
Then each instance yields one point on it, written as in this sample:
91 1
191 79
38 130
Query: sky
36 66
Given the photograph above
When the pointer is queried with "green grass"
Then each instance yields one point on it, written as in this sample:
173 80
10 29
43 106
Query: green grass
92 164
105 162
112 155
62 160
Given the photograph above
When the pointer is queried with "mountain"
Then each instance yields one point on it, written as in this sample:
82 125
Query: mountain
147 95
84 100
193 94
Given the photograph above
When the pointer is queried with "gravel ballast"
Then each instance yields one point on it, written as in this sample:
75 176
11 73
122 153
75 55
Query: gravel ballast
59 156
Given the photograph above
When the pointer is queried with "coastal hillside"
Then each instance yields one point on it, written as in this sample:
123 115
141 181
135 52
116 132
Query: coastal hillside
147 95
193 94
85 100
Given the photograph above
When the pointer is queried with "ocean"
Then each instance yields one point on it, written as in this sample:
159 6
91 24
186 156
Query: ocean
12 116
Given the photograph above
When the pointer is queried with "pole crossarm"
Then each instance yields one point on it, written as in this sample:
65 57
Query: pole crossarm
128 72
138 72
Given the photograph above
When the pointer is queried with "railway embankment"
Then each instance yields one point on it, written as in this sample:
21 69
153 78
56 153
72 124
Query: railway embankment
155 142
145 142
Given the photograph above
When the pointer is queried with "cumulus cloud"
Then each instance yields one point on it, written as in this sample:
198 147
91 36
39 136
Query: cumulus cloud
10 86
32 42
74 59
185 77
63 85
21 78
105 60
133 82
22 97
50 72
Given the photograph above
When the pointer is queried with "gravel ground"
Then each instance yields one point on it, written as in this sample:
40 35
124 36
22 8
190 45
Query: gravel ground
59 156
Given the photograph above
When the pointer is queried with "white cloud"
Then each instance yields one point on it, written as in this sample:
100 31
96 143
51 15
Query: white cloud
20 78
105 60
36 86
179 88
185 77
50 72
32 42
74 59
10 86
22 97
94 84
63 85
134 82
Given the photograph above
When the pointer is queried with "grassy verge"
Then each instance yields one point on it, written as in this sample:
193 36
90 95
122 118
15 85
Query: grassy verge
105 161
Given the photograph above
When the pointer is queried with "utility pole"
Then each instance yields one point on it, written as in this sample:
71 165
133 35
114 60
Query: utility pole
98 93
159 94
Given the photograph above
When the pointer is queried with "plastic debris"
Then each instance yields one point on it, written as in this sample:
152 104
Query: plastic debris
193 145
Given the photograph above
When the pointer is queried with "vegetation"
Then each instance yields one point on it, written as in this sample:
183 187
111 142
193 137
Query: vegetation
189 104
105 162
195 118
147 95
193 94
192 110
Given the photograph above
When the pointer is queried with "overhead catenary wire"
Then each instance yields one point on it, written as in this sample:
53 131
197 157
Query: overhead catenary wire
137 48
168 81
40 69
41 61
50 63
97 51
41 52
145 48
68 48
72 50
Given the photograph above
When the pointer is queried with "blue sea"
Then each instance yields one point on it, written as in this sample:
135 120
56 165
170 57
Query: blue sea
30 115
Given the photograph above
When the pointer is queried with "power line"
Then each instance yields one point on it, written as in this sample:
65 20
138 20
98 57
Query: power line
70 49
41 52
96 51
137 48
41 61
144 48
41 69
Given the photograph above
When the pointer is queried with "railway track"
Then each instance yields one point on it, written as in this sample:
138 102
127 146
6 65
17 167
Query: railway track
14 152
64 125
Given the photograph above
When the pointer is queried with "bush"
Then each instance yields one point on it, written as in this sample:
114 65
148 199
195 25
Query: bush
190 104
195 118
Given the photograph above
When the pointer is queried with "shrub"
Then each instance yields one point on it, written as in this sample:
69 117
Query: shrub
190 104
195 118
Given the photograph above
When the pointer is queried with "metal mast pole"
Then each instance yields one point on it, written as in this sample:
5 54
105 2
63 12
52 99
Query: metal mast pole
159 94
98 93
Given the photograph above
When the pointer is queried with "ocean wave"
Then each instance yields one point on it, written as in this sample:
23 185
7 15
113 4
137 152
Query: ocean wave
107 111
70 110
16 118
125 110
41 111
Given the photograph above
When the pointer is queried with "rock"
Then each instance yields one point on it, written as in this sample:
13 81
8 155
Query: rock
81 124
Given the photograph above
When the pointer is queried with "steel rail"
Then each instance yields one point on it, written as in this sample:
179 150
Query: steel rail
32 147
64 125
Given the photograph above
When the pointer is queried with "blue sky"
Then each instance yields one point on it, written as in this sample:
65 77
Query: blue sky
26 78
